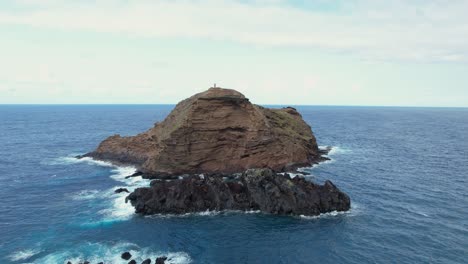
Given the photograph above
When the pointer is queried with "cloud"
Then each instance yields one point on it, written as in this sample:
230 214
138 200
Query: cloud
422 31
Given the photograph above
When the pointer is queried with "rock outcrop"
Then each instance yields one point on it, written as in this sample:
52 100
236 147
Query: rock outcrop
216 131
255 189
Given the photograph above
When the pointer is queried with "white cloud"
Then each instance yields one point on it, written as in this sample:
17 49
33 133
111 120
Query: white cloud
422 31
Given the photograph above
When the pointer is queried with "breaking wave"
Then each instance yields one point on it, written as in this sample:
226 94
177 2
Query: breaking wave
86 195
73 160
23 254
97 252
356 209
335 150
204 213
116 209
119 209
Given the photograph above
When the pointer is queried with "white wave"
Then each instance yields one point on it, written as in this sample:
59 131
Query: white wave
86 195
356 209
73 160
324 215
335 150
117 209
97 252
23 254
421 213
204 213
120 174
416 210
294 175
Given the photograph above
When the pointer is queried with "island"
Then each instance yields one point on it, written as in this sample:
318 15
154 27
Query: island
218 151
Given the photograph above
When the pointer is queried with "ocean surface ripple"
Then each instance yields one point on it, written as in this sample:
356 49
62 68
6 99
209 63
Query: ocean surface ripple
405 170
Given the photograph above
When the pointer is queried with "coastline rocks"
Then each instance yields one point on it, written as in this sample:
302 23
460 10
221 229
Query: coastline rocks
137 173
119 190
126 255
255 189
216 131
161 260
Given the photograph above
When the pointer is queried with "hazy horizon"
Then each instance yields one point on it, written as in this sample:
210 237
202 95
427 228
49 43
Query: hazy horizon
279 52
173 104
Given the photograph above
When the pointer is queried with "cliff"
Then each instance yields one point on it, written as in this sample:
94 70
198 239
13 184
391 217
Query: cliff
216 131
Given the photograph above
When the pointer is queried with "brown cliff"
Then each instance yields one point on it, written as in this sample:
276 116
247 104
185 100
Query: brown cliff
216 131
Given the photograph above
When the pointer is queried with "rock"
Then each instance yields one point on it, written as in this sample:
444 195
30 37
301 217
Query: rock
86 262
69 262
146 261
132 262
255 189
216 131
138 173
325 150
101 263
119 190
126 255
161 260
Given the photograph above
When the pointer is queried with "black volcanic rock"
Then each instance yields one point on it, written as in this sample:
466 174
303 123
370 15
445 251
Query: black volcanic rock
255 189
161 260
137 173
119 190
126 255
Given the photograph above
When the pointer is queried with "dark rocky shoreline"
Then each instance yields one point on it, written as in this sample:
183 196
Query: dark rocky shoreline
128 257
217 151
255 189
321 157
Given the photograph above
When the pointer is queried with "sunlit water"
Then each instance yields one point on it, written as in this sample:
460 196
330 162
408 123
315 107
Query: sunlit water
406 170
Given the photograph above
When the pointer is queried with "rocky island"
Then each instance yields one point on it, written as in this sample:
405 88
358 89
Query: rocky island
218 151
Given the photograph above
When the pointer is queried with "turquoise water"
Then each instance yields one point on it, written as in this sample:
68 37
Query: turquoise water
406 170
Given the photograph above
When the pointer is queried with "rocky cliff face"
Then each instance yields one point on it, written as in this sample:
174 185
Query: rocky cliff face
255 189
216 131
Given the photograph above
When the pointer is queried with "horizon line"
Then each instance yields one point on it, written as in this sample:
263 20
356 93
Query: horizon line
169 104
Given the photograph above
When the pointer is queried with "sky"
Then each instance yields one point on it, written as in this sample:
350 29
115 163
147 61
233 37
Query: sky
314 52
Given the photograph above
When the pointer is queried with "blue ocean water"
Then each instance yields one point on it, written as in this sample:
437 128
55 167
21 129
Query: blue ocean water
405 169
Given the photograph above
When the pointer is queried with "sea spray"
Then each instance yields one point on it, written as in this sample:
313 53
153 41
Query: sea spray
116 209
24 254
111 253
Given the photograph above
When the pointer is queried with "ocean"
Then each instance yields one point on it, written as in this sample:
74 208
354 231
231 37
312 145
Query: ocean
405 169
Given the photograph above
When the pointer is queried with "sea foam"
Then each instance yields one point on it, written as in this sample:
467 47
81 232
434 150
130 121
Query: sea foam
97 252
119 209
356 209
116 208
86 195
23 254
71 159
204 213
335 150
